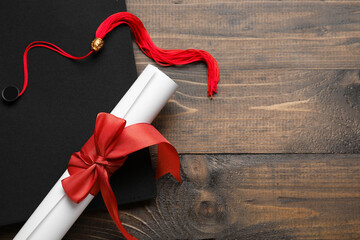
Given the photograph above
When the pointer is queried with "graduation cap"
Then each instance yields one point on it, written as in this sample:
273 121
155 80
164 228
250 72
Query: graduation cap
40 130
46 124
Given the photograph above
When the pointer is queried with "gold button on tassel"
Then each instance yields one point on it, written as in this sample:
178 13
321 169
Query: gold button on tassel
97 44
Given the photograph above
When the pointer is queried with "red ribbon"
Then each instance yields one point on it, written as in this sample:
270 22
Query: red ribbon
106 151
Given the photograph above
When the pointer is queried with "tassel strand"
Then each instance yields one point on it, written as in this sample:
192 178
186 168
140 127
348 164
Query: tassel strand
161 56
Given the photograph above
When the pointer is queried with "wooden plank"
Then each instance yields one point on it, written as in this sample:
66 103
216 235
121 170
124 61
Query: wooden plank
132 3
259 34
272 111
245 197
290 84
289 79
282 196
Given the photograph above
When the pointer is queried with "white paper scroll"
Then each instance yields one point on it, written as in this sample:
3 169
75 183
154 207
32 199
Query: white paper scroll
141 104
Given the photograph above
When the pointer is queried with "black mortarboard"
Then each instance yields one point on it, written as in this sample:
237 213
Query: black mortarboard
56 115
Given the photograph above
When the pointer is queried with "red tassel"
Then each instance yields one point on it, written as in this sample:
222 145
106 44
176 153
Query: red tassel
161 56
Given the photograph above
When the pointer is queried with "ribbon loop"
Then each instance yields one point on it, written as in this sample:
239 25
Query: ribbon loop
106 151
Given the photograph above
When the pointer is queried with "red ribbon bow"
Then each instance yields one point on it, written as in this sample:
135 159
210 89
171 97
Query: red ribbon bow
106 151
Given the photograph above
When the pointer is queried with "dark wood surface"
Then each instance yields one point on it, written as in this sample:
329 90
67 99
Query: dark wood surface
287 196
289 74
276 154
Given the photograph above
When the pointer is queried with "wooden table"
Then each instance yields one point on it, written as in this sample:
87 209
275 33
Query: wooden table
275 155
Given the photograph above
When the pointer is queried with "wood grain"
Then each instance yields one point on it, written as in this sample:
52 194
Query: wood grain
290 83
289 75
245 197
281 196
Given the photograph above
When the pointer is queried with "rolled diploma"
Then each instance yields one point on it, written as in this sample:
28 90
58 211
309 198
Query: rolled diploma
141 104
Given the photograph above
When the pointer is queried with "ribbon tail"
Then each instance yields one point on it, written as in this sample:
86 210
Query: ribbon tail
111 203
168 161
142 135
